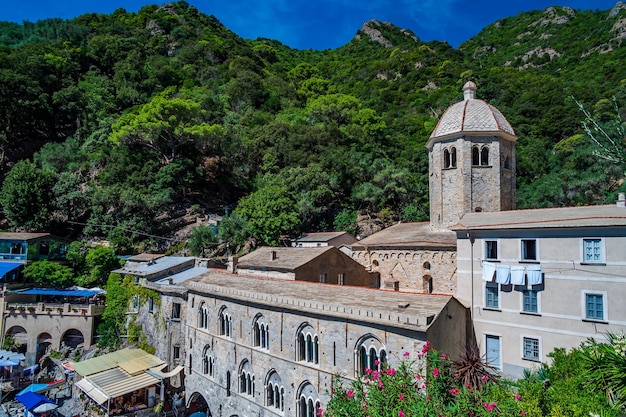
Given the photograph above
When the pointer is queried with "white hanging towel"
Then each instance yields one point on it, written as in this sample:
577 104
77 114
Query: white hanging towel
488 270
533 273
517 274
503 274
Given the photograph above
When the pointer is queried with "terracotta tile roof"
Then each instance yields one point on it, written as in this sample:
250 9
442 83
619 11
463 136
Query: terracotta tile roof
285 259
319 236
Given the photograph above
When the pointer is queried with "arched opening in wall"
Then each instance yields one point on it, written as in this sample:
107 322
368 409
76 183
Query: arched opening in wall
197 404
446 158
19 338
475 156
308 401
72 338
484 156
426 266
369 354
375 262
478 209
453 158
44 343
507 162
427 284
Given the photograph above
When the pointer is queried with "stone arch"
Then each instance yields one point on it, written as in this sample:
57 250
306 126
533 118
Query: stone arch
427 284
369 352
20 336
308 401
44 344
73 338
197 403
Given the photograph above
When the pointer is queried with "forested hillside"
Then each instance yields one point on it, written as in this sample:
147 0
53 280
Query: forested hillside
116 124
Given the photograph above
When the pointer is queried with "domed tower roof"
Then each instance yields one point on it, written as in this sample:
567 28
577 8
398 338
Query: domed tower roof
472 116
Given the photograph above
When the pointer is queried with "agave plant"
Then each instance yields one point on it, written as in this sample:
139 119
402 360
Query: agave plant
472 370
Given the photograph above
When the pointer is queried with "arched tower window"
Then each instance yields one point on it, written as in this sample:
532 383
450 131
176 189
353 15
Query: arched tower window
480 156
453 157
427 283
484 156
370 354
475 155
307 344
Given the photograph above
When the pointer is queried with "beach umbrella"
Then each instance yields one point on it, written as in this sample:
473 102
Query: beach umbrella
44 407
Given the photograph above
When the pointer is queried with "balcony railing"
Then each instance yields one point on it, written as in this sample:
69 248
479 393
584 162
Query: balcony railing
51 309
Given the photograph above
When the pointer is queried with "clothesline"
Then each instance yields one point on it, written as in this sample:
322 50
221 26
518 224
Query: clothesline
512 274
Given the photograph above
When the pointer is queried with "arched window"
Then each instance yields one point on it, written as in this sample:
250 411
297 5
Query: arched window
261 332
427 282
307 344
484 156
308 401
203 316
208 361
275 392
507 162
225 323
446 158
246 379
475 155
370 354
453 157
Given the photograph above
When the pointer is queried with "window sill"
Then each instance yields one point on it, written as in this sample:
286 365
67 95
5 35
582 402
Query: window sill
593 263
530 313
492 309
531 360
492 260
595 321
529 261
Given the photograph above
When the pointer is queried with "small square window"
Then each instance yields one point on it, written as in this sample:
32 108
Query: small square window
529 249
324 278
150 305
530 298
491 249
531 349
176 352
491 295
592 250
594 306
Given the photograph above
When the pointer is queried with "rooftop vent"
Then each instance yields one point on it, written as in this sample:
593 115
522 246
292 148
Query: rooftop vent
621 200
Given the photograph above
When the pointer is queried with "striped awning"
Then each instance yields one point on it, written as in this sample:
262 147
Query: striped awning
113 383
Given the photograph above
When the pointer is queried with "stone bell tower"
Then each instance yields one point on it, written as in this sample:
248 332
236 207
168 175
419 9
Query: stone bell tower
471 161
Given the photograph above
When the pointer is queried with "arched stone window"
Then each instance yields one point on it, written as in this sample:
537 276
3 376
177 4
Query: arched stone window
307 344
246 378
475 155
446 158
203 316
225 323
274 391
208 361
484 156
370 354
308 401
507 162
427 284
261 332
453 157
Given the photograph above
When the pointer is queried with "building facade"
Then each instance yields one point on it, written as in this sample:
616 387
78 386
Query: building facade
542 279
269 347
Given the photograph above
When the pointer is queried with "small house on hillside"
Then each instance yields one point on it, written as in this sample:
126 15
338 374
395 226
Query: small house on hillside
312 240
19 249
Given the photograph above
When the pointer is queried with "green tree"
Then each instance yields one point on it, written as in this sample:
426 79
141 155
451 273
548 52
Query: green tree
165 125
27 196
50 273
99 262
270 213
202 240
118 296
234 231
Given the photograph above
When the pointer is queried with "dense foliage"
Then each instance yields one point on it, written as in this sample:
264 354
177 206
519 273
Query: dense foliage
588 380
129 119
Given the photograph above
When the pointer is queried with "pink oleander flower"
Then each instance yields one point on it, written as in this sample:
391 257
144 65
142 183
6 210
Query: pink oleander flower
418 376
454 391
518 397
391 372
425 347
436 372
484 378
380 384
406 354
320 412
444 356
350 393
490 406
376 362
523 413
375 375
400 413
368 371
401 397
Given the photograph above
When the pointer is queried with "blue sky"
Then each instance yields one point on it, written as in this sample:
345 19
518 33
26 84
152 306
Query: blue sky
320 24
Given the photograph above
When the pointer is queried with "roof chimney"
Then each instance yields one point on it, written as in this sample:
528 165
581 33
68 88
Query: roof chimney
469 91
621 200
231 266
272 255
